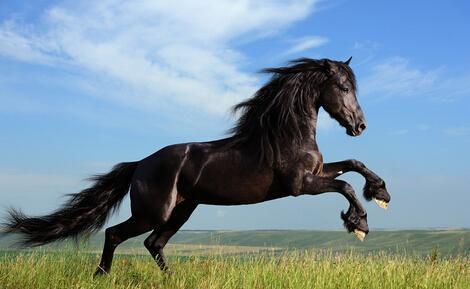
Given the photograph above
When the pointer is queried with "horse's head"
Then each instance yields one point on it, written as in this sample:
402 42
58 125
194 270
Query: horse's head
338 97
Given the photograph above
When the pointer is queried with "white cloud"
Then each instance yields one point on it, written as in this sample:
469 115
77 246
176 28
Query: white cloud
400 132
306 43
17 43
423 127
156 51
458 131
366 45
395 77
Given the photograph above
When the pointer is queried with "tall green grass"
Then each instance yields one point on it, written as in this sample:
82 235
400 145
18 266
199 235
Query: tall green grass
298 269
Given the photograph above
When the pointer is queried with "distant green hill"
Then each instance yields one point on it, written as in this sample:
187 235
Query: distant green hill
422 242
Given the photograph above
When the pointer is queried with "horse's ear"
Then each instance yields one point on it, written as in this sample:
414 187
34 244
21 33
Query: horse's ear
348 61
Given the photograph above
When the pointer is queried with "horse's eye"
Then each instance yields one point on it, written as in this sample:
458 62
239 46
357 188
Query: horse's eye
344 89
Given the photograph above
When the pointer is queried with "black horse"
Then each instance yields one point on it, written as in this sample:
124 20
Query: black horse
271 153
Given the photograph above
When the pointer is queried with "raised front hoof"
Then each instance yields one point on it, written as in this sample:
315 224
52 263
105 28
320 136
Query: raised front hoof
356 224
100 272
378 193
361 235
381 203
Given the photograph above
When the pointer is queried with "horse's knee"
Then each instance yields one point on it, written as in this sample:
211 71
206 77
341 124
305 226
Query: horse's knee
153 244
354 164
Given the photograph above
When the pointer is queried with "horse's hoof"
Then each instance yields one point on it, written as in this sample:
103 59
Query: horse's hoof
167 272
381 203
361 235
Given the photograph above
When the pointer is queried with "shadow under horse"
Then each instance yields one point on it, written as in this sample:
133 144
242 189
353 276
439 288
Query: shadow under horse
271 153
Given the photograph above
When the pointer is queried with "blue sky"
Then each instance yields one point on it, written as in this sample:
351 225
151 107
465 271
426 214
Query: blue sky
87 84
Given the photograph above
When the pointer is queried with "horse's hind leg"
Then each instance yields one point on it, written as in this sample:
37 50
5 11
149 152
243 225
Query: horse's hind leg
159 237
116 235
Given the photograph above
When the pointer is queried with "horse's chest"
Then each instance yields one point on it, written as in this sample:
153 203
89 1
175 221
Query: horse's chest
313 162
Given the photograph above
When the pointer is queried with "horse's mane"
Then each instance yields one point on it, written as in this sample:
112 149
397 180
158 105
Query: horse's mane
280 112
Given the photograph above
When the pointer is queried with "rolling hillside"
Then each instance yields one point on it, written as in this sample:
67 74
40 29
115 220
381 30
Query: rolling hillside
421 242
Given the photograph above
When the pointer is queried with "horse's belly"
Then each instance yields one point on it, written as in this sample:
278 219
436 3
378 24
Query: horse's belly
232 187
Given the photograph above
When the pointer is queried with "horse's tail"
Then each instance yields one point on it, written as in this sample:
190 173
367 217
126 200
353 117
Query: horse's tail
84 213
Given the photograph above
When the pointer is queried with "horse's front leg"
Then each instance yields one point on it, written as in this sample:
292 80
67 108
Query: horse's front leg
355 219
373 189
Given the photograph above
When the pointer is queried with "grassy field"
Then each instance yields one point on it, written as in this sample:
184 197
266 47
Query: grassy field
254 259
299 269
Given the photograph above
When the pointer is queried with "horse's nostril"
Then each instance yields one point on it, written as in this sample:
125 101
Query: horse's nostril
362 126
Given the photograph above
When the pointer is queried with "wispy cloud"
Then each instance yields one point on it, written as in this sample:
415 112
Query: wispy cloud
306 43
18 43
423 127
400 132
366 45
158 51
396 77
458 131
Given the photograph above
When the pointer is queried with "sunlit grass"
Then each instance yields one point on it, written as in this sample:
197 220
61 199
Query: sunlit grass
299 269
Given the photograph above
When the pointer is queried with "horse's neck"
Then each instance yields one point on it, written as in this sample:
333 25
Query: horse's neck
313 123
310 133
